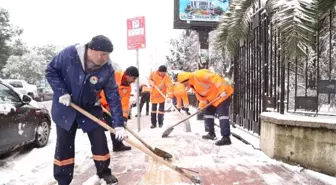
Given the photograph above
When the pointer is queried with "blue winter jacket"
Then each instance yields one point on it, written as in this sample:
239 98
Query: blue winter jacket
66 75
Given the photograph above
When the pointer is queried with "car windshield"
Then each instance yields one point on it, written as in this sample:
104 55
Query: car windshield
8 95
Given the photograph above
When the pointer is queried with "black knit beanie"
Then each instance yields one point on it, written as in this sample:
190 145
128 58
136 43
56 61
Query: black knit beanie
132 71
101 43
162 68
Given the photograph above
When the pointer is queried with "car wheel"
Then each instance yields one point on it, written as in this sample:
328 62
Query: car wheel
42 134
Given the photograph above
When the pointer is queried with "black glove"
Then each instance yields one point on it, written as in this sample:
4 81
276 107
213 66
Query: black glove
125 119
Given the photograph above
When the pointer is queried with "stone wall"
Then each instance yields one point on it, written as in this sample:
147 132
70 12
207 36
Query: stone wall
307 141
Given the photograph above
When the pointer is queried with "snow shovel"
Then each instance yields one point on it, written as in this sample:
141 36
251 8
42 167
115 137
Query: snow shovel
171 128
180 170
168 110
157 151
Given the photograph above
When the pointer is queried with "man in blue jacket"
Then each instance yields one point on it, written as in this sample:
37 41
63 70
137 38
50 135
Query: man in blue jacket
77 74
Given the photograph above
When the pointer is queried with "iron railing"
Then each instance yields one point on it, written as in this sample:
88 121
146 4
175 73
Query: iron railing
266 81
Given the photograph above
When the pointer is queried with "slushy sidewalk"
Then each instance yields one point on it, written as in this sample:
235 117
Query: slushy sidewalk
235 164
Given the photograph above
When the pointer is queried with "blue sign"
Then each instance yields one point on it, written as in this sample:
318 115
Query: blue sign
202 10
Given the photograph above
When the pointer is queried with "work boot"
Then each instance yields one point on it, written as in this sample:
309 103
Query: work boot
186 110
224 141
121 147
160 125
147 113
211 136
153 126
110 180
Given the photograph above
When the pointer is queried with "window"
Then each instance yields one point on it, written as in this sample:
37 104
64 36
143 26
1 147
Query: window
8 95
16 84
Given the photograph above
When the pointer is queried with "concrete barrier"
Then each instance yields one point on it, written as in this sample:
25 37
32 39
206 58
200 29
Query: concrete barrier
307 141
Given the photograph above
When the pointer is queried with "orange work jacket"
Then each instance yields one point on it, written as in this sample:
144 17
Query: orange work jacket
207 85
164 83
180 92
145 89
124 93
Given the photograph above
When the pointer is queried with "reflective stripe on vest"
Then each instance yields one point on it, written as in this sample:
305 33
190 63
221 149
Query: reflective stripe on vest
204 85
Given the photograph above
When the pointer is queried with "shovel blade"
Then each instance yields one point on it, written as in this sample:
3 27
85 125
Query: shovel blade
162 153
195 180
167 132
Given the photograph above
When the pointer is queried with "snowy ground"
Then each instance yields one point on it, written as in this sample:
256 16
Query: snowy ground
34 167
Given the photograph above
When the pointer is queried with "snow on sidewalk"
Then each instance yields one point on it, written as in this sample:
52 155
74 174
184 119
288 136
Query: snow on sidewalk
235 164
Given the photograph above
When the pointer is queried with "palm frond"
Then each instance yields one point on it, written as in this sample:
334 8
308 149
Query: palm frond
325 6
297 22
234 24
270 5
223 27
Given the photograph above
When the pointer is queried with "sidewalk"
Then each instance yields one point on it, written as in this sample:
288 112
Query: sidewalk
235 164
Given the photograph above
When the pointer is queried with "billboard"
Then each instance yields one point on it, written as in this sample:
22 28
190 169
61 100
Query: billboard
202 10
199 14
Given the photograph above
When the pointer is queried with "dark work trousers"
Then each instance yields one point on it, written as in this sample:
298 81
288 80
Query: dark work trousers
174 101
222 111
115 142
65 153
159 113
145 96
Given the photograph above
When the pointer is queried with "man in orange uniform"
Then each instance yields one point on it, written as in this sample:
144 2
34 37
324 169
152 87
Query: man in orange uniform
124 80
181 94
162 81
145 95
207 86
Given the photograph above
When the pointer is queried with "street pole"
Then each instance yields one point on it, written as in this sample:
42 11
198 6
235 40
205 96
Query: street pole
204 57
138 91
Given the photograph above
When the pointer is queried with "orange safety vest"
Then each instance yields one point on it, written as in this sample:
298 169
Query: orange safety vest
145 89
181 94
179 89
124 93
207 85
163 83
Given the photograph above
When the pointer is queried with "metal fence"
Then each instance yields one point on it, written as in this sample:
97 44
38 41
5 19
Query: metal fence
265 82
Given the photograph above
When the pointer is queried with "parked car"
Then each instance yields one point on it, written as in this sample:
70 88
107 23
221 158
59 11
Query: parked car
23 87
22 120
44 94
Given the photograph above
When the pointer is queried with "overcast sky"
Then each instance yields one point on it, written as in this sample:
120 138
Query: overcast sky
66 22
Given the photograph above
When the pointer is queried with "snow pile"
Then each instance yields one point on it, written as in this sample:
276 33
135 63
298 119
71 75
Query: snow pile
298 118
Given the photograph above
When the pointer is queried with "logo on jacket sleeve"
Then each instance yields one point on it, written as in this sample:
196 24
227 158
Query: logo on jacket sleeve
94 79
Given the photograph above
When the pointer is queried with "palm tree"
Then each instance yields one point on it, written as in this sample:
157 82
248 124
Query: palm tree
234 25
297 21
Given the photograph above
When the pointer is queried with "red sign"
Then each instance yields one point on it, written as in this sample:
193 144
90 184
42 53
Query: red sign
136 33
